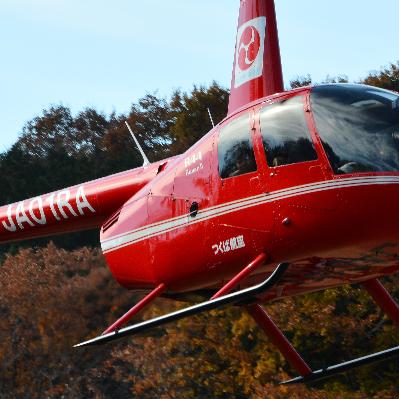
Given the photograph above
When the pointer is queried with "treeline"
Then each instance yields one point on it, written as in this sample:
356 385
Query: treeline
387 78
58 149
54 297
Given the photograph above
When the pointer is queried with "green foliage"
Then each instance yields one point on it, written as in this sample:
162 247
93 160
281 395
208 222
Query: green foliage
336 79
301 81
387 78
57 149
191 118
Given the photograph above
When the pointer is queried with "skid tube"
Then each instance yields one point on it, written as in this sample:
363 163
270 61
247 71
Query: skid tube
331 371
245 295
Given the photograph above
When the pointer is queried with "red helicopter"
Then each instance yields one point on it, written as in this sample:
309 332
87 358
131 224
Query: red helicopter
293 192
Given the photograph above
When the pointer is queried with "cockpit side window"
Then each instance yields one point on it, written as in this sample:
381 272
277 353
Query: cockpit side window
285 133
358 126
235 150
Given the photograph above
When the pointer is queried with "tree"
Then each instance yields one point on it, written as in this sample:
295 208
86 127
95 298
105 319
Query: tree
51 299
301 81
57 149
190 114
388 78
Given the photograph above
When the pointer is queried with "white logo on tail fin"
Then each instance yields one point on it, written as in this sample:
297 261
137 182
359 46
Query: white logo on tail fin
249 51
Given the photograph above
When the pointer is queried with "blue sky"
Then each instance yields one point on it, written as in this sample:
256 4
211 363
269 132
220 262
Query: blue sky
107 54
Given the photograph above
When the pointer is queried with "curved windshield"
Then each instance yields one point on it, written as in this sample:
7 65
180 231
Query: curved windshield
358 126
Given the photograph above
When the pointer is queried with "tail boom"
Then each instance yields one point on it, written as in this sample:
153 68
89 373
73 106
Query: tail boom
81 207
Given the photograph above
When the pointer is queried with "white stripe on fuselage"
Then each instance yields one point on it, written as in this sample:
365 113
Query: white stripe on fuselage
165 226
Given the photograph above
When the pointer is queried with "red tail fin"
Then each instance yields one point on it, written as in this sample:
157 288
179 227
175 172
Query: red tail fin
257 64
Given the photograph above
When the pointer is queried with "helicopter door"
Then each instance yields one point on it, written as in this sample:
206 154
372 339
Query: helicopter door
293 163
239 230
289 147
192 193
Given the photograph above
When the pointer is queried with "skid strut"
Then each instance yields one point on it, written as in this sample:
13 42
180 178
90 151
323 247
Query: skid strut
266 323
136 308
247 294
240 276
382 297
278 339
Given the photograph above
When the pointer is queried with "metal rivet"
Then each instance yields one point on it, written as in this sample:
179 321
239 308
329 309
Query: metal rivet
286 221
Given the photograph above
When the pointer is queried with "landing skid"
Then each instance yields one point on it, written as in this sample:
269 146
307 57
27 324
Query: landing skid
331 371
248 298
247 295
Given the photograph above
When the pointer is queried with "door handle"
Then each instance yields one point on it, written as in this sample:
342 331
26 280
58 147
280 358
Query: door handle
194 209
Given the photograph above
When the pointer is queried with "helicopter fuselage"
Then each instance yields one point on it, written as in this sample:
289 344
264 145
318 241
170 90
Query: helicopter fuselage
223 202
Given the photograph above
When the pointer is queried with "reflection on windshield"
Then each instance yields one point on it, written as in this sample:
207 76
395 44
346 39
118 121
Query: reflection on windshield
235 152
285 133
358 126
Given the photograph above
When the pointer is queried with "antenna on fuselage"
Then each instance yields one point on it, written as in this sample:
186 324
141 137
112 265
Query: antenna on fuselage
210 116
145 159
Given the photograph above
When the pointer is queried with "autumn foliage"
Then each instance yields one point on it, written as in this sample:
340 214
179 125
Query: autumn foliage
52 298
53 295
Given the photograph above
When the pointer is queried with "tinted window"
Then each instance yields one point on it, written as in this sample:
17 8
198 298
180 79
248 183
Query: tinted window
285 133
235 152
358 126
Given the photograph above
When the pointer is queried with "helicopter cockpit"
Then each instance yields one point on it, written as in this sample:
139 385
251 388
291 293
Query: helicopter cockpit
358 126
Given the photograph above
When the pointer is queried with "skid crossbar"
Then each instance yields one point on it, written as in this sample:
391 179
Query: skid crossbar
240 276
383 299
230 299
